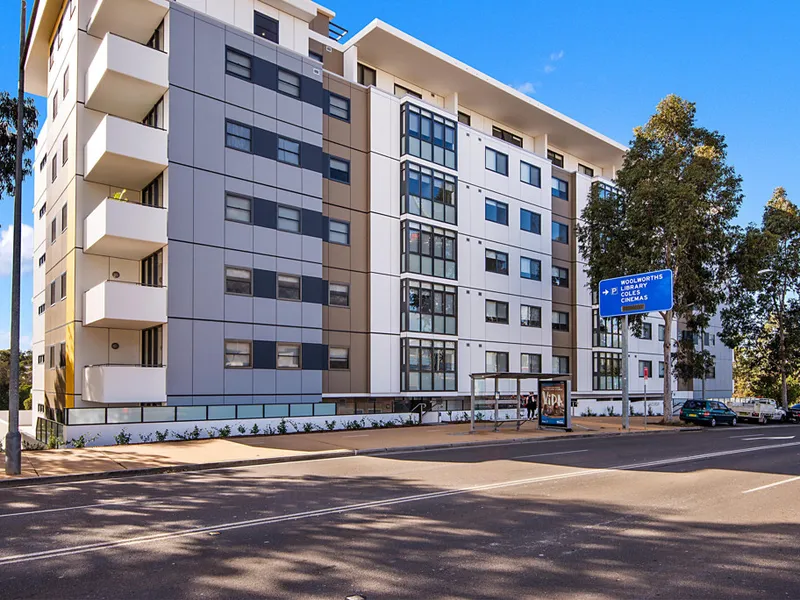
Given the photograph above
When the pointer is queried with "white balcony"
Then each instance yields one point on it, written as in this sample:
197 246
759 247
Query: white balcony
122 305
125 230
125 153
124 384
126 79
133 19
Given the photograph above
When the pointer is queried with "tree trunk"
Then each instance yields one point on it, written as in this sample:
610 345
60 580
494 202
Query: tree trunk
784 390
667 366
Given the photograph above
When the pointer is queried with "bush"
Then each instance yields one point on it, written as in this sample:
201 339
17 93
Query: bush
54 442
330 425
254 430
161 436
146 439
610 411
27 404
81 441
123 438
241 429
308 427
225 431
282 427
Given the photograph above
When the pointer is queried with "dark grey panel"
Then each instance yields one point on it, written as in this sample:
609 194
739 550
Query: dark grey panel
265 213
264 354
315 357
264 284
312 223
314 290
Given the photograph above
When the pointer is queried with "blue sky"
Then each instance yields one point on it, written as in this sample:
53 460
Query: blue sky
605 64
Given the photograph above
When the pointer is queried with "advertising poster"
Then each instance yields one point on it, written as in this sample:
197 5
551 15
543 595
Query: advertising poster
553 403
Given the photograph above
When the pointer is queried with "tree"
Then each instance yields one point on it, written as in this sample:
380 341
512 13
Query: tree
760 318
672 208
8 140
25 372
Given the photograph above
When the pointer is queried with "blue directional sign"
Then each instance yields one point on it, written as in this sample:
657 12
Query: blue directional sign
636 294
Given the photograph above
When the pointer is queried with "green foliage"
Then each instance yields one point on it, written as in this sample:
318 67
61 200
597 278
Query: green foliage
25 373
330 425
189 434
53 442
282 427
8 139
610 411
254 429
308 427
241 429
225 431
123 438
162 436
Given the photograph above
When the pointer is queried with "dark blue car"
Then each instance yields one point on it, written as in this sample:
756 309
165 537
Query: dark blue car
707 412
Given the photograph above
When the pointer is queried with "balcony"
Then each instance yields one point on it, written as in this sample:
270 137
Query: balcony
124 384
125 153
133 19
125 230
125 78
122 305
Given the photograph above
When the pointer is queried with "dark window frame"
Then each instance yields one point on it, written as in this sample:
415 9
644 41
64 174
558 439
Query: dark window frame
428 135
557 228
233 136
362 70
535 274
428 307
506 136
556 158
530 321
346 233
288 87
441 257
331 293
557 279
428 365
231 281
340 364
264 24
429 193
497 306
497 209
560 324
233 52
499 358
535 220
496 156
344 113
296 284
557 191
298 220
249 209
498 262
285 152
345 178
606 371
526 166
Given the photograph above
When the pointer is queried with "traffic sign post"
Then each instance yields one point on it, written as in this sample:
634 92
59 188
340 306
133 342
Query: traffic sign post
634 295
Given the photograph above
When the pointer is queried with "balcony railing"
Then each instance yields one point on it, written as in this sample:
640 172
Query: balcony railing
124 305
125 384
336 32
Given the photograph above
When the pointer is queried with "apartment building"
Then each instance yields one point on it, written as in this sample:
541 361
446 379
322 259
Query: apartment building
237 215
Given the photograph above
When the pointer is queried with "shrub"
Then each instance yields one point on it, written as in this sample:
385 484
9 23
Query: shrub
330 425
282 427
123 438
146 439
610 411
254 430
212 433
308 427
241 429
81 441
162 436
295 426
225 431
54 442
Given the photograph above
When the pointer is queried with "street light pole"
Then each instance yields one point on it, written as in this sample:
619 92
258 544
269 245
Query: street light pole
13 437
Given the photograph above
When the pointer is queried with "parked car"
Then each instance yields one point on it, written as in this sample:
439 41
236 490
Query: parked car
794 413
760 410
707 412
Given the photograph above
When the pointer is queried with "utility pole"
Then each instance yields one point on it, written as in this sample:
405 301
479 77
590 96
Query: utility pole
626 410
13 438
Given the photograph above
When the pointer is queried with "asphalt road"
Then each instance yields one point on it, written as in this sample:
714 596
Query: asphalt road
712 514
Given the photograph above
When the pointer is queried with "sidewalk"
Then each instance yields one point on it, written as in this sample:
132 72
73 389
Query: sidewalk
111 461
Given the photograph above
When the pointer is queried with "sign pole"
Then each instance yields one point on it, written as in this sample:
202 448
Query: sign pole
646 374
625 400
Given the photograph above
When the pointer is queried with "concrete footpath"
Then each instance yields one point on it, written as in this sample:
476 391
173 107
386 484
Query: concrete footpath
73 464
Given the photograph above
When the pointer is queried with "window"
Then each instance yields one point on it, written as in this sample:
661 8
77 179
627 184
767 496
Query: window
530 221
53 227
366 75
560 232
43 210
496 161
339 170
266 27
496 312
606 333
55 105
315 56
584 170
530 174
661 369
496 262
555 158
661 329
63 281
152 270
65 90
289 287
152 346
530 363
647 333
339 294
288 151
560 188
288 356
40 359
428 136
560 321
401 91
339 232
54 168
289 83
339 107
560 277
42 308
497 212
64 217
238 64
645 368
238 208
711 373
506 136
464 118
428 250
709 339
606 371
496 362
427 365
289 219
238 137
155 117
530 268
51 351
43 162
238 281
339 358
238 354
151 195
65 150
42 259
156 41
561 364
428 308
52 292
530 316
62 355
428 193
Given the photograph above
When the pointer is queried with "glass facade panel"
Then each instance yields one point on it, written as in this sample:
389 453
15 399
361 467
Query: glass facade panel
427 365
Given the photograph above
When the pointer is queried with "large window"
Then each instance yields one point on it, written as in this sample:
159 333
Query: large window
238 137
497 161
496 211
289 219
238 64
606 333
560 188
530 221
530 363
530 174
339 232
464 118
238 354
661 329
556 158
530 316
339 359
561 364
560 232
238 208
266 27
560 277
64 209
429 308
645 368
238 281
289 83
339 107
288 356
427 365
289 151
428 136
661 369
428 193
289 287
560 320
606 371
428 250
506 136
530 268
401 90
152 195
339 294
496 362
496 262
496 312
366 75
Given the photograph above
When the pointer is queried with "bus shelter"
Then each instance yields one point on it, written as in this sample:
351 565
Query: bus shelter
561 379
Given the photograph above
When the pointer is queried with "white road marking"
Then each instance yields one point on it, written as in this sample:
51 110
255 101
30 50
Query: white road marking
748 436
771 485
359 435
96 547
549 454
774 437
82 507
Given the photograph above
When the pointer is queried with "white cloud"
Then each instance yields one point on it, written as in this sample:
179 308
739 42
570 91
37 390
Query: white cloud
549 68
526 88
557 55
6 249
